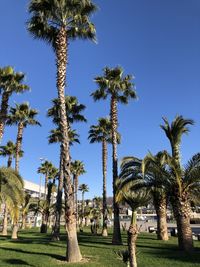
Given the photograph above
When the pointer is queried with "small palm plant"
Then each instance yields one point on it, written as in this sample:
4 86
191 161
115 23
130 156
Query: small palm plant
135 199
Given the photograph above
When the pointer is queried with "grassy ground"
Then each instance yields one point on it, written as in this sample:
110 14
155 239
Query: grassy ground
35 249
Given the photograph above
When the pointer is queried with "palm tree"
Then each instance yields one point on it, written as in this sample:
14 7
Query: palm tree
101 133
181 180
46 169
77 169
120 88
9 150
135 199
156 174
50 172
83 188
10 82
11 193
22 116
73 111
70 21
152 176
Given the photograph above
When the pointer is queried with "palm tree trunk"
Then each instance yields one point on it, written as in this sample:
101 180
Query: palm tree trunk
56 232
3 112
43 228
5 221
15 231
181 208
161 212
116 240
75 185
73 252
82 209
104 162
132 237
9 163
18 145
23 221
45 186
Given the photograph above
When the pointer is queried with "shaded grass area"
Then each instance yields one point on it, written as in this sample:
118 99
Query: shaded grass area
35 249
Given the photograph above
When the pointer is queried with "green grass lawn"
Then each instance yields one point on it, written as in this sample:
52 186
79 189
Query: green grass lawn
35 249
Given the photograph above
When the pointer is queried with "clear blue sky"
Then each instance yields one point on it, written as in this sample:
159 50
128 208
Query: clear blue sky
158 41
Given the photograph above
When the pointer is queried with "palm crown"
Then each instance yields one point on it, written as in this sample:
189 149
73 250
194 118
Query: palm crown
102 131
11 81
73 110
114 83
49 16
9 150
77 167
23 114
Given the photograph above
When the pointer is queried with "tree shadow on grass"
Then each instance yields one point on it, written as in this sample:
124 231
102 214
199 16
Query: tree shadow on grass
178 255
16 262
54 256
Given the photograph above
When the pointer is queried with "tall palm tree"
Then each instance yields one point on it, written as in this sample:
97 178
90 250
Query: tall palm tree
179 180
10 82
46 169
120 89
11 193
83 188
22 116
135 199
70 21
102 133
77 169
50 172
73 111
9 150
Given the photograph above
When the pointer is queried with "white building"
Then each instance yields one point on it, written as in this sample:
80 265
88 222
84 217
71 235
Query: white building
34 189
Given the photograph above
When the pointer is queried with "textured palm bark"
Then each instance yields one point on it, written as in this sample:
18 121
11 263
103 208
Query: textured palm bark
161 212
3 112
73 252
23 221
75 185
132 238
182 210
83 210
18 145
9 163
45 185
5 221
116 239
56 232
15 231
43 228
104 167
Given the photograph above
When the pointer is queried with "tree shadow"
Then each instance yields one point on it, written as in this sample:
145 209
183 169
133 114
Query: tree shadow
16 262
178 255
